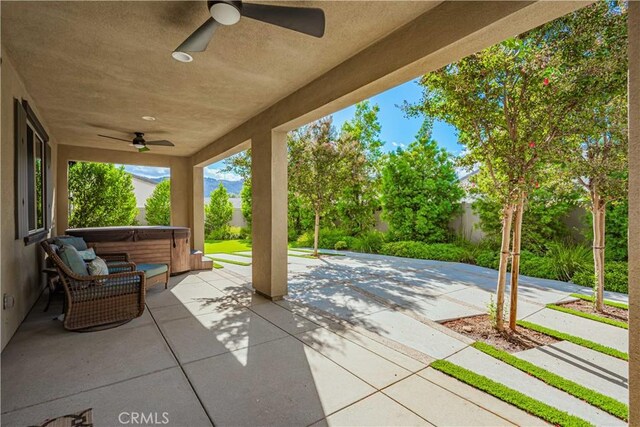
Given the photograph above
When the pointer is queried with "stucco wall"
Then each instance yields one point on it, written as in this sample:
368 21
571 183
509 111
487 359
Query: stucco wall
20 265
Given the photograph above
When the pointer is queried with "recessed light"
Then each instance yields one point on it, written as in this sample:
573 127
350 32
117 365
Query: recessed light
182 56
148 118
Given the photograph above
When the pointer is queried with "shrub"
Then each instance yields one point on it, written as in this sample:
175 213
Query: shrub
435 251
245 233
341 245
568 259
616 277
326 240
369 242
488 258
537 266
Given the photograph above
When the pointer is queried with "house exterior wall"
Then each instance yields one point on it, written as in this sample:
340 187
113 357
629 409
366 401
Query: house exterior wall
20 276
143 190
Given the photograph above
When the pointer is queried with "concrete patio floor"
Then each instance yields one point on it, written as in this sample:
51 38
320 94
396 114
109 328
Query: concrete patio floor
350 345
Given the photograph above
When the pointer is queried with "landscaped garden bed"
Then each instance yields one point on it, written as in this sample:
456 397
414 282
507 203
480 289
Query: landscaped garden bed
613 313
481 328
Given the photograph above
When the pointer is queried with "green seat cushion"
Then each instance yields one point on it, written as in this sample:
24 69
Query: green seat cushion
70 256
152 270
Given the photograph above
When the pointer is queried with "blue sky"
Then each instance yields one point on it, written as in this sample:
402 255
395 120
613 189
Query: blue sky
397 130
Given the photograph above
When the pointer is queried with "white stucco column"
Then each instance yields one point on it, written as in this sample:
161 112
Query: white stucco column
197 209
269 213
634 212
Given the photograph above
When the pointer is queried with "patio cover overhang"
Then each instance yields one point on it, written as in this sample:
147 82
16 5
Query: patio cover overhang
87 66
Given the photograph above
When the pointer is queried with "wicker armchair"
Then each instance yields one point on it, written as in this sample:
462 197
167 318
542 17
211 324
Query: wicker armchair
93 301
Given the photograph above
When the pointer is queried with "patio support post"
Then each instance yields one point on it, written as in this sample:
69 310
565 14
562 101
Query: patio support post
269 213
634 212
197 209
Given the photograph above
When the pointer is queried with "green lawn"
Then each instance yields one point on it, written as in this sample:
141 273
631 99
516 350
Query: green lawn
226 246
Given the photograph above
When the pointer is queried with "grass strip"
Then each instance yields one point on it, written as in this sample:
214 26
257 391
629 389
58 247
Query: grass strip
304 256
509 395
230 261
242 255
218 266
590 316
599 400
311 251
576 340
295 255
610 303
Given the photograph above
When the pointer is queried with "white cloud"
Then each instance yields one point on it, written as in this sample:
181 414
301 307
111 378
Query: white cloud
217 173
147 171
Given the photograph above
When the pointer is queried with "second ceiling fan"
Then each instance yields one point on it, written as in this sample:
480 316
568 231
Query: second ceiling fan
305 20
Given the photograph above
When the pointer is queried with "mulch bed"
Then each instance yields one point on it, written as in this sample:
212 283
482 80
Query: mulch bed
614 313
480 328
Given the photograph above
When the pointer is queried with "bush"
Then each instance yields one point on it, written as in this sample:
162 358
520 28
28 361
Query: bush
616 277
435 251
245 233
341 245
568 259
370 242
326 240
488 258
537 266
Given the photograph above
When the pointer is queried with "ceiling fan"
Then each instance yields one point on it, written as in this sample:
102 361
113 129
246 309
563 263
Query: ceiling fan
140 143
305 20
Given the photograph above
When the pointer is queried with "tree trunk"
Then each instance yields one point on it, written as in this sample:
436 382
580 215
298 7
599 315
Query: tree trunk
316 234
598 213
515 262
507 216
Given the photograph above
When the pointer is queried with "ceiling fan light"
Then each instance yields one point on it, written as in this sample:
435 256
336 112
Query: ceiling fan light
181 56
225 13
138 145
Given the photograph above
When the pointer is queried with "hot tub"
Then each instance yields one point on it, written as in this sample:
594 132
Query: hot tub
144 244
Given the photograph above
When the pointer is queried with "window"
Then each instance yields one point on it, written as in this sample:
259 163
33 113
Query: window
33 176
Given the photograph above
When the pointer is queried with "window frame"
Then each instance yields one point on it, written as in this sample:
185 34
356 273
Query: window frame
26 204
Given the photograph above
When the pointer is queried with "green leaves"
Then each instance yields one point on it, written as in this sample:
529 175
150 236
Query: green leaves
101 195
157 208
420 192
218 213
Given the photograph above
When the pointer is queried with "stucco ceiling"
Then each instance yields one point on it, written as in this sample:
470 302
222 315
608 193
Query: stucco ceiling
98 67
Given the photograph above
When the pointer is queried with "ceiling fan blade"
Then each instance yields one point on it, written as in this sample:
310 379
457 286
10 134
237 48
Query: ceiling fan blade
162 142
305 20
117 139
200 38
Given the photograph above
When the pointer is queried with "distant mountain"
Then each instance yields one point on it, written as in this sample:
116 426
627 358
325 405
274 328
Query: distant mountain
233 187
210 184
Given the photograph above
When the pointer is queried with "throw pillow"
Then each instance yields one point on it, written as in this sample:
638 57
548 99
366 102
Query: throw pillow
76 242
88 255
98 267
71 257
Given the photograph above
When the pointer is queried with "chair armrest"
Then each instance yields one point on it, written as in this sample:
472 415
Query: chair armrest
120 266
121 256
135 280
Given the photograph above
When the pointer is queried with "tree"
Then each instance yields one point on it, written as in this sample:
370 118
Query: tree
510 104
245 198
596 156
314 168
218 213
157 208
420 191
101 195
362 149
